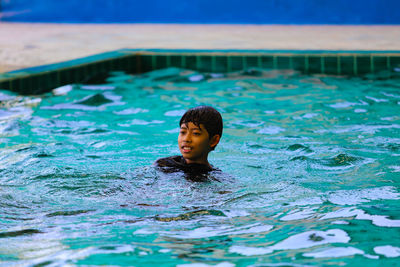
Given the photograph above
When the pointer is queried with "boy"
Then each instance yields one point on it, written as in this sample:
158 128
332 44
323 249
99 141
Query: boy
200 132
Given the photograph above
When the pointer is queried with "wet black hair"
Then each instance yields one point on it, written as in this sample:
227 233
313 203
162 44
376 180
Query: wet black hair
206 115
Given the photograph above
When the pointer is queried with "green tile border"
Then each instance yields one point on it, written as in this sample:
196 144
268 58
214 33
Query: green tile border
41 79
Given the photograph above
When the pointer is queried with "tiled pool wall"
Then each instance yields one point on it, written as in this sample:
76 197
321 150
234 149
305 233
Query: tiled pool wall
42 79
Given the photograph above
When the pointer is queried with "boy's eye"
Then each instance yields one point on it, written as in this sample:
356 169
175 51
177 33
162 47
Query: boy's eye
197 133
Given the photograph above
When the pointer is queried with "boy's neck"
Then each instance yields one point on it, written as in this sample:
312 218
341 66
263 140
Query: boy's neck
204 162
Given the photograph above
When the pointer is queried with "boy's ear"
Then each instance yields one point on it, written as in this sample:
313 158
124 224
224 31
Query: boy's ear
214 140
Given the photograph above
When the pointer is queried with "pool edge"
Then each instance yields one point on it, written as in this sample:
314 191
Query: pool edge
40 79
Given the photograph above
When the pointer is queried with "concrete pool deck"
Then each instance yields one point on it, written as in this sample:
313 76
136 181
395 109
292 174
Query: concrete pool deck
25 45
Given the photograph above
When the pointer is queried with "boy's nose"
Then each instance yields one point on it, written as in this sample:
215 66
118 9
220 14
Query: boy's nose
187 138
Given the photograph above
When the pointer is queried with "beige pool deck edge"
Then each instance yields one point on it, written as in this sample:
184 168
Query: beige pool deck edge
24 45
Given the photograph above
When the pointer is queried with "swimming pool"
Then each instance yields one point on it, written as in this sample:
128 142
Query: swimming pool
311 164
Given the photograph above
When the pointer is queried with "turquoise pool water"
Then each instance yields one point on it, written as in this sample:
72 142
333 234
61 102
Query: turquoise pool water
311 172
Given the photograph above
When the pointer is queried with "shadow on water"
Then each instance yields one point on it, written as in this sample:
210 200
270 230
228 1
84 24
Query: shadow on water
94 100
190 215
68 213
340 160
25 232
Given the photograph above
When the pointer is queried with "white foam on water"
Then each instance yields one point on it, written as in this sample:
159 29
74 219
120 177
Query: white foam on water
395 168
352 197
113 97
15 112
98 87
115 101
130 111
346 104
140 122
391 118
63 90
369 256
307 201
175 130
9 157
66 124
306 116
9 128
382 140
29 249
341 213
117 250
390 95
196 78
236 213
252 230
5 97
126 132
360 110
74 106
222 264
339 222
143 231
310 115
4 114
235 88
30 102
250 251
298 215
387 251
98 144
269 111
250 124
271 130
62 257
334 252
205 232
320 166
298 241
217 75
377 100
378 220
305 240
369 129
175 113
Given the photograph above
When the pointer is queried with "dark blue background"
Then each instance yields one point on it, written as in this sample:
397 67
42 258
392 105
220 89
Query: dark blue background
204 11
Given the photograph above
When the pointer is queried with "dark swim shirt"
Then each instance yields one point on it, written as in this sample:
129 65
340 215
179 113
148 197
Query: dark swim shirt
193 171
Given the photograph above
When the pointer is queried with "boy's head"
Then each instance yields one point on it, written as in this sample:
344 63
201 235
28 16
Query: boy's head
200 132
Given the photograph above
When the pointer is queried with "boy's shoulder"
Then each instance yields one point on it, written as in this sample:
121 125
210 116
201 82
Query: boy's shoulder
173 161
194 172
178 163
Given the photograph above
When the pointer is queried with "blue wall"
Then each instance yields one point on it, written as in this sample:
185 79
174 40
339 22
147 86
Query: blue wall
204 11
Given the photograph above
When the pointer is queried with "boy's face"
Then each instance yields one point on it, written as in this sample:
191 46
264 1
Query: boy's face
194 143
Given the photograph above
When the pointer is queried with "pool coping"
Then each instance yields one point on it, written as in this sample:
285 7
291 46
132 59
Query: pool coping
40 79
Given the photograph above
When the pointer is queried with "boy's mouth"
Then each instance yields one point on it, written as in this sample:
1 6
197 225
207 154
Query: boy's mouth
186 149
